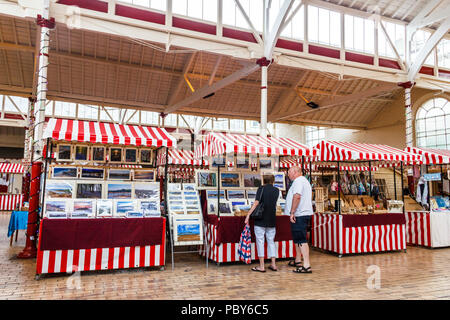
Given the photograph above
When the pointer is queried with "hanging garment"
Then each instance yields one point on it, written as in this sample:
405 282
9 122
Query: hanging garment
244 247
422 192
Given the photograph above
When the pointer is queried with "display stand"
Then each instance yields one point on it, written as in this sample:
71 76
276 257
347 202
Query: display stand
9 200
223 230
427 228
352 233
98 214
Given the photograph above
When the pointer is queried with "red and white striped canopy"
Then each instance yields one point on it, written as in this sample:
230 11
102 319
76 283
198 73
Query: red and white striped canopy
288 163
108 133
216 143
11 168
345 151
179 157
431 156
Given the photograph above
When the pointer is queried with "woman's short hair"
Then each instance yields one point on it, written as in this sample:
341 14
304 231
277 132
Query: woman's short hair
268 179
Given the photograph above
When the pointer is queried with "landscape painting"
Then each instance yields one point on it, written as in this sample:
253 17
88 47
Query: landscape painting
146 190
131 155
206 179
89 190
55 189
242 162
265 163
65 172
252 180
211 194
55 206
146 156
279 181
104 208
83 208
119 191
187 231
236 194
251 194
123 206
81 152
98 154
150 208
92 173
64 152
189 186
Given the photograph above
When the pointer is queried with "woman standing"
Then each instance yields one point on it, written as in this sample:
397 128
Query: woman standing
268 195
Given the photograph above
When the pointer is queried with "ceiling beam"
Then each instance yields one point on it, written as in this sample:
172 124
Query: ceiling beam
331 102
181 82
206 90
428 15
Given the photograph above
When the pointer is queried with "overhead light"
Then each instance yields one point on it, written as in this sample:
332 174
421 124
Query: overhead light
209 95
310 104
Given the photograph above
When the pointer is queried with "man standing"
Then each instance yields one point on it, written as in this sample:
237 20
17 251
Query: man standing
299 207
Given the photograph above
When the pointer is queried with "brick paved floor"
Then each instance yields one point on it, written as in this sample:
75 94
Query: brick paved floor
418 274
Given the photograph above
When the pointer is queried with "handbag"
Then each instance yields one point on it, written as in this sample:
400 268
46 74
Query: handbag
257 214
244 247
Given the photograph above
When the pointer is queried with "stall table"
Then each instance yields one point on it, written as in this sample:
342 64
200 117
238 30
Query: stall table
347 234
223 238
69 245
428 229
18 221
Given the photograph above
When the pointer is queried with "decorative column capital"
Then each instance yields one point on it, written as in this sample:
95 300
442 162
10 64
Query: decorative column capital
263 62
47 23
406 85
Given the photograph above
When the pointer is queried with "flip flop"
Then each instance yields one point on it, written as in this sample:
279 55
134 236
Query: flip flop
292 263
302 269
273 269
255 269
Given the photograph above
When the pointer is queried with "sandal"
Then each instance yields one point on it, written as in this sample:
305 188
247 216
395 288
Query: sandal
258 270
302 269
272 268
292 263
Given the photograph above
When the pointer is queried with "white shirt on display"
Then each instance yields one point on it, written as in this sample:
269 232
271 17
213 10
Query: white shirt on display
302 187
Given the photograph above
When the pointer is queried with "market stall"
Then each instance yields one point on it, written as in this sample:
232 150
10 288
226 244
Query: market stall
430 226
237 167
101 204
11 197
359 223
181 165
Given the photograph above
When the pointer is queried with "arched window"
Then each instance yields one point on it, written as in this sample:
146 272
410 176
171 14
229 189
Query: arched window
433 124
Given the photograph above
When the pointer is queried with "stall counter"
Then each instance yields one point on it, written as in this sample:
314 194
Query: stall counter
428 229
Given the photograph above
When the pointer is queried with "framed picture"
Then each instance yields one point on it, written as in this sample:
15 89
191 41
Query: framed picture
135 214
176 203
266 163
242 161
235 194
146 191
115 154
122 207
212 194
119 190
64 152
212 207
175 194
131 155
98 154
225 208
230 180
254 162
251 194
230 162
280 181
177 209
251 180
64 172
238 203
83 209
187 231
174 187
217 161
81 152
145 156
150 208
189 186
56 208
104 208
92 173
87 190
59 189
206 179
192 203
144 174
119 174
190 193
192 210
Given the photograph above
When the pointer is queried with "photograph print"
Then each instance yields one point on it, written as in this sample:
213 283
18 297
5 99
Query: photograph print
242 161
230 180
251 194
119 174
189 186
119 190
131 155
146 191
123 206
55 206
64 172
218 161
115 154
150 208
146 156
236 194
148 175
212 194
265 163
104 208
187 231
89 190
64 152
279 181
252 180
81 152
83 208
56 189
98 154
225 208
92 173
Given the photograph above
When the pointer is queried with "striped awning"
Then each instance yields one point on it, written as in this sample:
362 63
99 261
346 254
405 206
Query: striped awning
347 151
431 156
11 168
108 133
217 143
179 157
288 163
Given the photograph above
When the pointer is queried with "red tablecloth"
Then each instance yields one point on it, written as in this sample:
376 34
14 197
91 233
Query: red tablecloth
356 220
229 228
71 234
